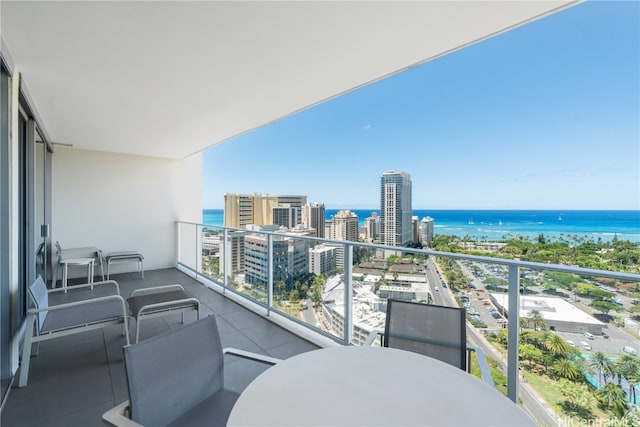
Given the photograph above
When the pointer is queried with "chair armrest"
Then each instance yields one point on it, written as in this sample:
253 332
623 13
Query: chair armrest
176 302
485 372
87 285
372 336
117 416
251 356
77 303
157 288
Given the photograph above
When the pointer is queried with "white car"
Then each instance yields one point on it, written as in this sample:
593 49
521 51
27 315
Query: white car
589 335
585 345
629 350
571 343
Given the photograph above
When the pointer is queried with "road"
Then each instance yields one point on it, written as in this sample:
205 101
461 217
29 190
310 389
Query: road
532 403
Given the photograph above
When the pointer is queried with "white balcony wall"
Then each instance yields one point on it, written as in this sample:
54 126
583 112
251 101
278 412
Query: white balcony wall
119 202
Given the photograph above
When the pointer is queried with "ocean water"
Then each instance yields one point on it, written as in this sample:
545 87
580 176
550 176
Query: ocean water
504 224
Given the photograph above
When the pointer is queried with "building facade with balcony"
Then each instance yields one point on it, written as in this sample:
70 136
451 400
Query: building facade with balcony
323 259
65 131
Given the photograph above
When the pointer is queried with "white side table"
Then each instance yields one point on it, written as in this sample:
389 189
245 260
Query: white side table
76 262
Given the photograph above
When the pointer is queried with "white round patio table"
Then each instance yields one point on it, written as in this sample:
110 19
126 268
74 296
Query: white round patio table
371 386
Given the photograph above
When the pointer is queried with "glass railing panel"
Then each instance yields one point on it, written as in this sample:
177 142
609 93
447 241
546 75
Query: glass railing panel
245 260
188 245
500 298
212 239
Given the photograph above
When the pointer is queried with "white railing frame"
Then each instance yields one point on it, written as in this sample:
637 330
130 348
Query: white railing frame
513 266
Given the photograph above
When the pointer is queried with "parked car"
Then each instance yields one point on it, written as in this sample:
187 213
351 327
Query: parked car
571 343
589 335
629 350
585 345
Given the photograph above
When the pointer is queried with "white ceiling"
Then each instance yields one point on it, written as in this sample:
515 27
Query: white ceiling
171 78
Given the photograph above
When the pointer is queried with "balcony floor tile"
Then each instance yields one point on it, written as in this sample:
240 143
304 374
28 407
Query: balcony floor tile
75 379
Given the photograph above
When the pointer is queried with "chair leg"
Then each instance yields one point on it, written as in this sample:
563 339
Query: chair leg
91 274
101 270
125 326
137 329
26 350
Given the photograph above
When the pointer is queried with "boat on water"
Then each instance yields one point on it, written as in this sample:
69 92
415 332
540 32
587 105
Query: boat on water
471 221
559 218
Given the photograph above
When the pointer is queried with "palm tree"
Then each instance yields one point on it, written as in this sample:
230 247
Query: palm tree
601 364
536 320
613 397
566 369
556 344
629 367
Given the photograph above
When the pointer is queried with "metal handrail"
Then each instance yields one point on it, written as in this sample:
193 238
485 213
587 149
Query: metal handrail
513 277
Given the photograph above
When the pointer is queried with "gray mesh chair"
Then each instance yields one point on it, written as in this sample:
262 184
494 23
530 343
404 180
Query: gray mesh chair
54 313
177 378
432 330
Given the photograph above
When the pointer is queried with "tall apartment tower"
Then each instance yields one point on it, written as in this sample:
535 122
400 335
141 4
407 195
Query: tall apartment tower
317 218
415 229
313 216
344 226
426 230
372 226
395 208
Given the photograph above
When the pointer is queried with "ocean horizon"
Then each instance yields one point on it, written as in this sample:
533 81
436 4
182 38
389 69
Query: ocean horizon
492 225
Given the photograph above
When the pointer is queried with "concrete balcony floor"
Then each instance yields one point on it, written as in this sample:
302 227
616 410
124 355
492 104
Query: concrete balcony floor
75 379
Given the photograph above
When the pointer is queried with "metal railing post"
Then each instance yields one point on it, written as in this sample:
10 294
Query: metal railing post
348 294
269 273
178 243
198 254
513 338
225 256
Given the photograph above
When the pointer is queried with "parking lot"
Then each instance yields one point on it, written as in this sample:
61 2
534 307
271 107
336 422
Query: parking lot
481 309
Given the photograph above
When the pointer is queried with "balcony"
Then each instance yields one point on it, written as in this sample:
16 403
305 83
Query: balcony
75 379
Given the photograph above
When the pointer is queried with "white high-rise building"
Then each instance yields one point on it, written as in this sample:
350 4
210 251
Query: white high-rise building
322 259
426 230
395 208
344 226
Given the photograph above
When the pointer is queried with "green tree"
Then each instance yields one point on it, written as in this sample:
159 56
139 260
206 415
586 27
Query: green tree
613 398
579 399
600 363
564 368
530 353
604 307
536 320
628 366
294 297
556 344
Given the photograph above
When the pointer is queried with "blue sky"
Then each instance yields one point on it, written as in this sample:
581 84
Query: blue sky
546 116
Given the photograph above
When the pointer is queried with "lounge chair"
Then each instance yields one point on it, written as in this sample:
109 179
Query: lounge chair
56 313
177 378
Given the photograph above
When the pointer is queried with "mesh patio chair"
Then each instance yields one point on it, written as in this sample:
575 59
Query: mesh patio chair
432 330
177 378
54 313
